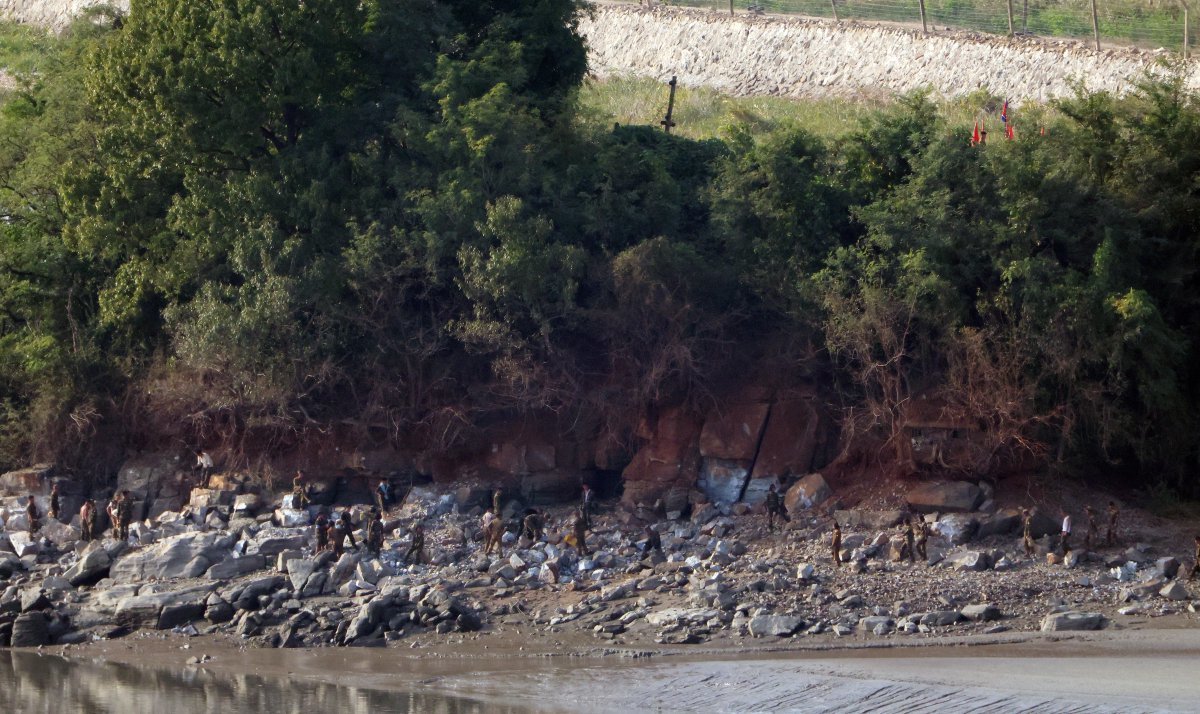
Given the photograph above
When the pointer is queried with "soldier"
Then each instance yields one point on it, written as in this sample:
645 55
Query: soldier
322 531
125 512
922 539
1066 532
496 495
348 527
493 535
910 542
585 505
31 512
837 544
580 528
418 544
375 533
653 541
1091 531
1110 538
1196 561
533 525
773 507
382 495
1027 532
55 504
337 537
87 520
299 491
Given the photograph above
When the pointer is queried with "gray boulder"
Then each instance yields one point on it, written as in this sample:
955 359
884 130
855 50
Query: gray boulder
972 560
236 567
957 528
299 570
147 607
940 618
812 490
91 566
945 497
170 558
273 541
981 613
1072 620
775 625
1175 590
30 630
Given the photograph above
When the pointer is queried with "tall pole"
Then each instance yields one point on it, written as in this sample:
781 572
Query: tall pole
1185 29
667 122
833 4
1010 24
925 25
730 7
1025 19
1096 25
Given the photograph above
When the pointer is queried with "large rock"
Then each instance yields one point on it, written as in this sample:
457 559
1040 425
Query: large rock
670 457
146 607
273 541
299 570
945 497
807 492
236 567
210 498
145 474
775 625
35 479
30 630
550 487
248 598
170 558
1066 621
850 519
733 433
972 560
1175 590
90 567
23 545
958 528
723 480
984 612
1003 522
790 440
292 517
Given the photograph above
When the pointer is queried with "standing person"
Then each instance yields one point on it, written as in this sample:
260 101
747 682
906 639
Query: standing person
493 537
55 503
1027 532
1195 561
910 542
1066 532
337 537
1110 538
418 545
1091 531
653 541
533 525
382 495
87 520
496 500
300 498
348 527
31 512
585 505
125 512
922 540
837 544
322 531
774 507
580 528
374 536
114 514
204 462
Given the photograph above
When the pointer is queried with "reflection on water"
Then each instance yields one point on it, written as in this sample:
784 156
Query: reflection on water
31 683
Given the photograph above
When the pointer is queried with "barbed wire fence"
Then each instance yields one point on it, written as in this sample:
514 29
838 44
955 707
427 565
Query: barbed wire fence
1148 24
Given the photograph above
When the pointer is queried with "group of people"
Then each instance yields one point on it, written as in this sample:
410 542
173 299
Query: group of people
120 514
1089 540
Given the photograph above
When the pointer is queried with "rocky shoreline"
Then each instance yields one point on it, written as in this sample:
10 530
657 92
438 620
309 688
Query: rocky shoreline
230 565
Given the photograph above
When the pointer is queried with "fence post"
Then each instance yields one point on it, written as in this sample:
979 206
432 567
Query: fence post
730 7
924 25
1185 27
833 4
1096 25
1010 24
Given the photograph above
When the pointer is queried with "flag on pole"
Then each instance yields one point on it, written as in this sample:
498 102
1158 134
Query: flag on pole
1004 112
1010 133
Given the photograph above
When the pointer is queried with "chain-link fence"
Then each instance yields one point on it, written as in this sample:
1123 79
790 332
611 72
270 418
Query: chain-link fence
1148 24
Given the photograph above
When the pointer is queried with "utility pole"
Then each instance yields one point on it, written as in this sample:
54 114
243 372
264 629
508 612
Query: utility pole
924 24
1185 28
1010 22
667 122
833 4
1096 25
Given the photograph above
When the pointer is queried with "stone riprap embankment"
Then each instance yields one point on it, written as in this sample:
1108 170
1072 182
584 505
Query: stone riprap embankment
796 57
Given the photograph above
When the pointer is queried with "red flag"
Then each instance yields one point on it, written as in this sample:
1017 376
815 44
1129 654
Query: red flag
975 136
1009 133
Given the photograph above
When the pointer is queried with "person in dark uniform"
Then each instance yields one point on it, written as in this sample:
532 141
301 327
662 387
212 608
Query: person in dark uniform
114 514
348 528
774 506
497 495
910 542
1090 538
55 503
374 536
922 540
383 495
585 505
653 541
1027 532
837 544
337 537
125 511
579 528
1195 561
1110 537
493 537
31 513
533 525
417 547
322 531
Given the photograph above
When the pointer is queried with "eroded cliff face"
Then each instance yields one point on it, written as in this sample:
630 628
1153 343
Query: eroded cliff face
795 57
53 14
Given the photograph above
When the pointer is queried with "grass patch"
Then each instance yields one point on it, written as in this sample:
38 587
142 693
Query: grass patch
24 49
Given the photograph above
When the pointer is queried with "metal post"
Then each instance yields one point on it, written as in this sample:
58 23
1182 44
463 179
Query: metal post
730 7
1096 25
667 122
833 4
925 25
1185 29
1010 24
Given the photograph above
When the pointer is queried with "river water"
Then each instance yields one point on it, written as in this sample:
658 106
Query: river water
1095 677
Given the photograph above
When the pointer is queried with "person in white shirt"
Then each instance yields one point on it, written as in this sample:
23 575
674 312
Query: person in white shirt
1066 532
204 462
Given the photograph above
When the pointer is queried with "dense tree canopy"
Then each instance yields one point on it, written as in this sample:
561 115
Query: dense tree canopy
391 213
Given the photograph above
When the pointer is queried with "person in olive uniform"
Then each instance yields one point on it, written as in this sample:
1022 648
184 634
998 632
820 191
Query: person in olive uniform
774 507
417 547
348 528
375 533
910 542
580 529
322 531
1090 538
31 513
300 497
126 513
922 540
1195 561
337 537
533 525
1110 537
653 541
1027 532
55 503
837 544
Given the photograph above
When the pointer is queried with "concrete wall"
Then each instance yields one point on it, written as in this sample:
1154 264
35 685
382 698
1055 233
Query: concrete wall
755 55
